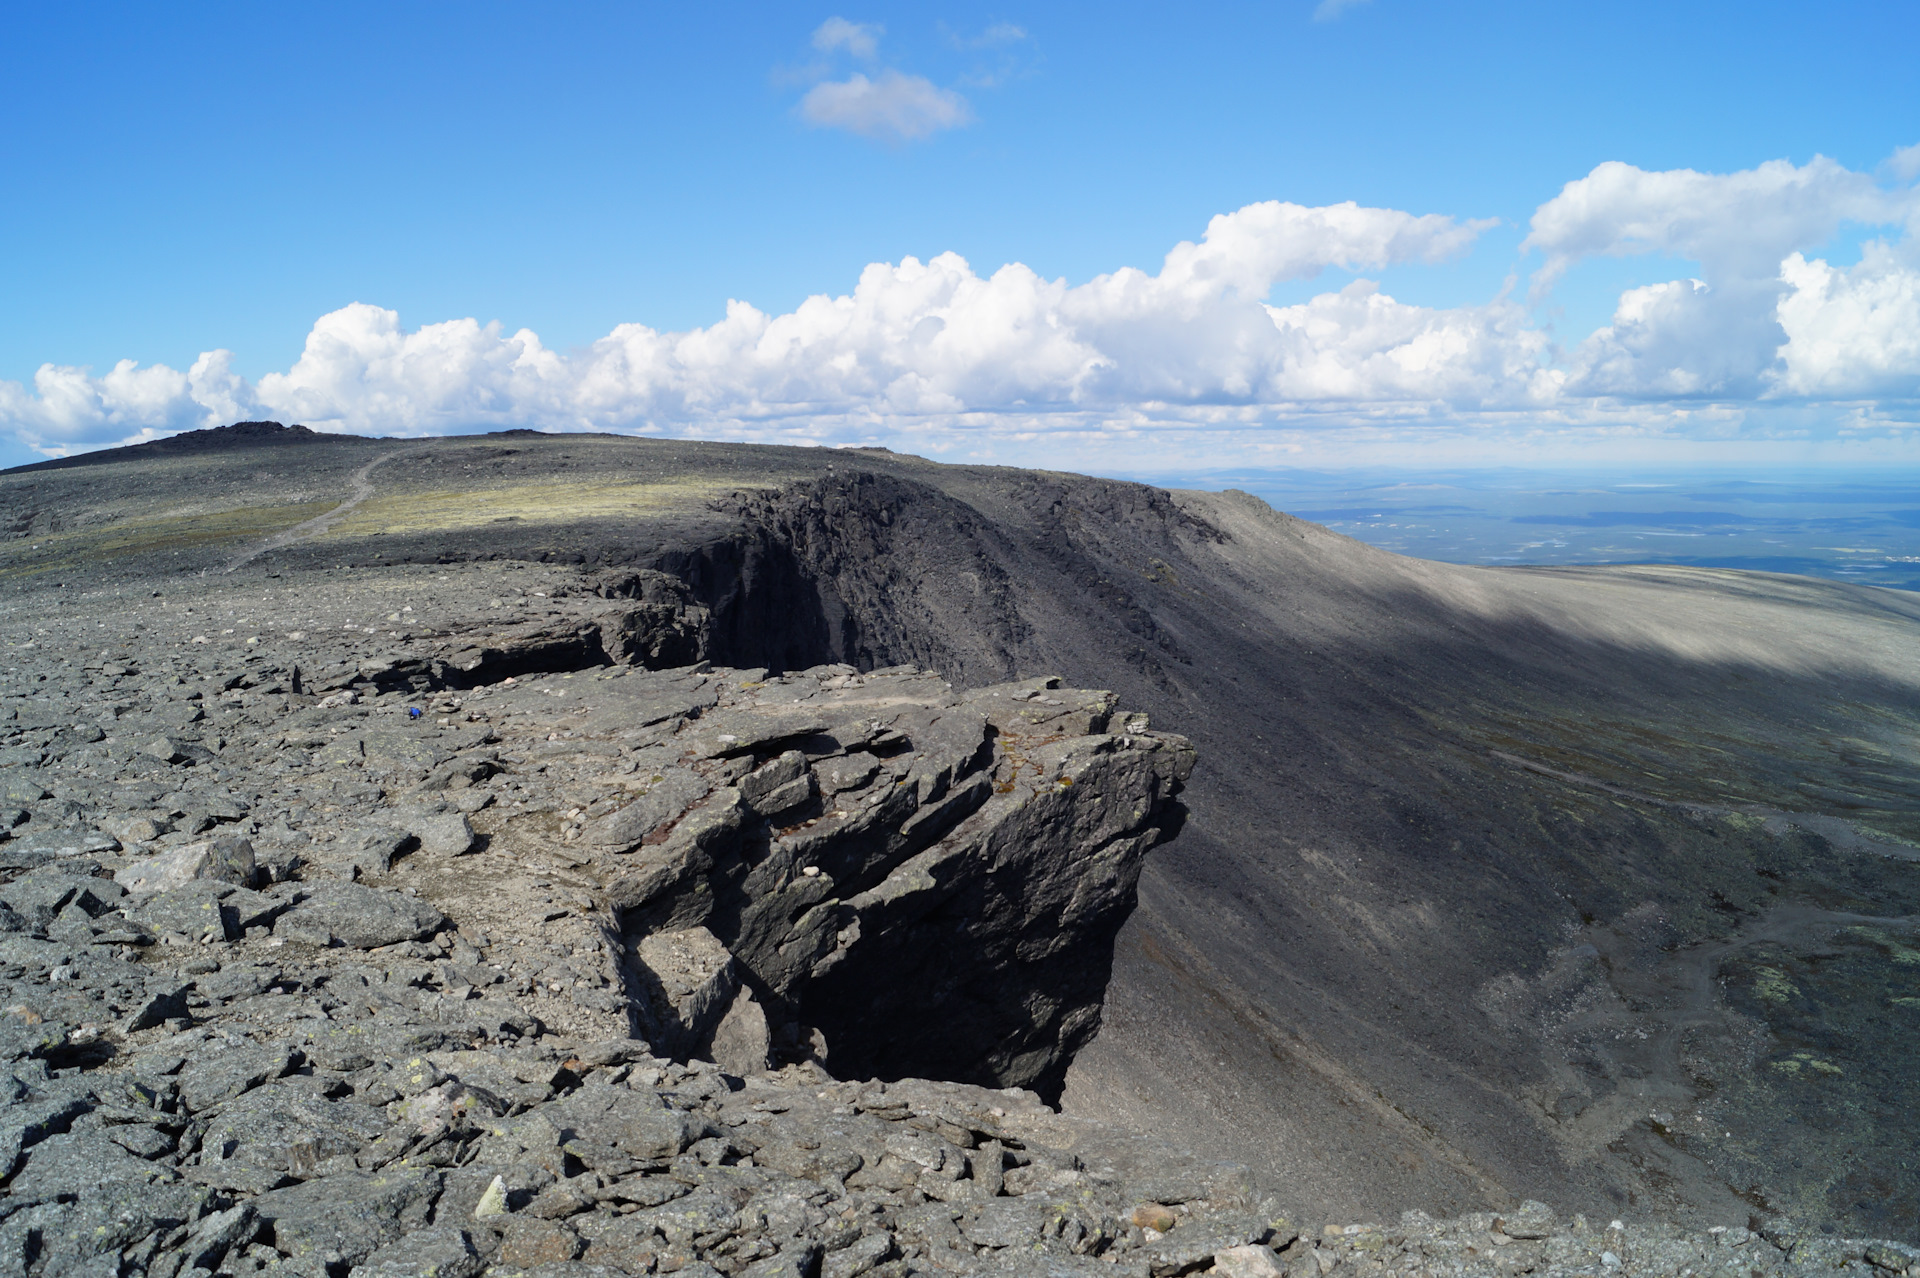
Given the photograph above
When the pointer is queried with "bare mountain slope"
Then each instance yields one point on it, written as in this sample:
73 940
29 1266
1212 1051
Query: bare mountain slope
1472 851
1591 885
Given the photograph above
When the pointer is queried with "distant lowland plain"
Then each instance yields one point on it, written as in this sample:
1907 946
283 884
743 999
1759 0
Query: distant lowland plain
1860 526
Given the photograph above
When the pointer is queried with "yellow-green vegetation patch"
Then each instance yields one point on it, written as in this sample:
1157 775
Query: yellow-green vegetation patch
1912 1004
1643 757
436 510
1905 955
1771 985
171 531
1806 1063
1715 759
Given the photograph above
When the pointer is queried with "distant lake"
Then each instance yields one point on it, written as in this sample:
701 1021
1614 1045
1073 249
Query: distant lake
1848 526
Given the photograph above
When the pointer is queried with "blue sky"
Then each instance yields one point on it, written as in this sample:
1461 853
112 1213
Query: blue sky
178 183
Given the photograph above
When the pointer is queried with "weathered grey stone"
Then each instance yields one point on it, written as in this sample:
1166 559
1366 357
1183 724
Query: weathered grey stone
438 1251
39 895
349 1214
226 858
699 1213
468 1188
78 1163
530 1243
215 1235
21 786
618 1242
26 1123
741 1041
163 1001
559 1201
371 849
688 980
1007 1222
670 792
1198 1241
1247 1262
24 1033
359 917
859 1257
1529 1220
705 835
141 1139
244 909
443 834
848 772
281 1129
798 1259
787 797
227 1071
733 732
614 1131
346 1048
776 786
87 1235
192 910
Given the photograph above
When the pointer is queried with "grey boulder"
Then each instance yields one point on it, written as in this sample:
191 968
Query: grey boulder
359 917
439 1251
775 787
227 859
443 834
351 1214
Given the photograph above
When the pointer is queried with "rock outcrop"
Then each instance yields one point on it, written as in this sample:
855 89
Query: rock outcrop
561 970
928 882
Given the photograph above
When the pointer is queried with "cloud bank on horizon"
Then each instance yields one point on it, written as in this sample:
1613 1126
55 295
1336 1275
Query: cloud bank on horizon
1766 343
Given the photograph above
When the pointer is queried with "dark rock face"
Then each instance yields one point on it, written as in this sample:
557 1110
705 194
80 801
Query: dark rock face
943 881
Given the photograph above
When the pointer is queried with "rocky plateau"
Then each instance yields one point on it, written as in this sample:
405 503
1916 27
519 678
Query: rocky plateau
581 857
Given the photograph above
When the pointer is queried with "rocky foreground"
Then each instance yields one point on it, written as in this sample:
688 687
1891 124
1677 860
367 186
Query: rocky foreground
329 956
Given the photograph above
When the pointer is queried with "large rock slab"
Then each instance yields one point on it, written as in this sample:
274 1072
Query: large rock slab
361 917
686 981
227 859
349 1215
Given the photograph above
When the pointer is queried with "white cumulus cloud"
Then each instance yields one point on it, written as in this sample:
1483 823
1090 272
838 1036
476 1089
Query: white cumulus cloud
912 339
1740 223
1851 332
1718 335
861 39
893 106
1905 162
1361 345
939 354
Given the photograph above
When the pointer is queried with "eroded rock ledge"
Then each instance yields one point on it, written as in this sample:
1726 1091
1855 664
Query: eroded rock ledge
912 881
